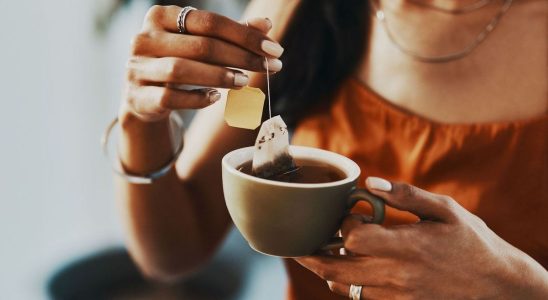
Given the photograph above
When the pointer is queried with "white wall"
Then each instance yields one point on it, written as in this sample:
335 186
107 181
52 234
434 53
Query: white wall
60 84
55 189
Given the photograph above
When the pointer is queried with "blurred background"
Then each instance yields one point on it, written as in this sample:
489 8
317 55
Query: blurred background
62 66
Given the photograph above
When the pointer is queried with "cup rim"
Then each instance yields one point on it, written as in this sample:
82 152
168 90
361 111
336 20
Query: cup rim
351 176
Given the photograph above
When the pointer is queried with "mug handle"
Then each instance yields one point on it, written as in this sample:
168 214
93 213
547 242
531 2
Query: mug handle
376 202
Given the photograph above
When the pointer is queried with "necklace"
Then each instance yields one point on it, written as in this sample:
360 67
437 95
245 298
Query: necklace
380 15
460 10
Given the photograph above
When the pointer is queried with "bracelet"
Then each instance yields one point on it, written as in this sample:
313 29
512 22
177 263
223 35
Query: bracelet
147 178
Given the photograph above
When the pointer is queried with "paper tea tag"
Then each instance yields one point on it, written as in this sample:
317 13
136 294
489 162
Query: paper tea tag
244 107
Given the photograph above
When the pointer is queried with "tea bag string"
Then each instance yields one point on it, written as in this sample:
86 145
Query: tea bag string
268 87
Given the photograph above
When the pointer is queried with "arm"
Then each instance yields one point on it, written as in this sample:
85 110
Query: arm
175 224
449 254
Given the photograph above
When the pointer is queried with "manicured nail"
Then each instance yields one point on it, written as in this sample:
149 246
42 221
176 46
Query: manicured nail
213 96
274 64
240 79
376 183
268 23
272 48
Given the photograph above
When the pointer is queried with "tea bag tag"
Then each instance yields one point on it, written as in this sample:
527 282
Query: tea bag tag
244 107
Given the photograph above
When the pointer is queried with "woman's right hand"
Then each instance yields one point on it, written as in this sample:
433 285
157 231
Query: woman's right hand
162 59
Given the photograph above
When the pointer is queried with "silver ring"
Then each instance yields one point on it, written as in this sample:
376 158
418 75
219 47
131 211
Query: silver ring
355 292
182 18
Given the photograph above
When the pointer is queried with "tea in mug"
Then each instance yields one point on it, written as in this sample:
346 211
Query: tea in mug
306 171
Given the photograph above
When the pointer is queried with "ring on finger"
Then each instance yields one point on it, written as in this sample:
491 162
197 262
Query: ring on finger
181 18
355 292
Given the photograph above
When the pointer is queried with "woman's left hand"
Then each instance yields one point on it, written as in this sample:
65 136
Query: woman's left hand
449 254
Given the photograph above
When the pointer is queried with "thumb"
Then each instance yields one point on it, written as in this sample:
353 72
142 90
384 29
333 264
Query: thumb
403 196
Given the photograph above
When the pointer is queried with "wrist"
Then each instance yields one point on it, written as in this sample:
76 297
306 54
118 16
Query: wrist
524 277
144 146
130 120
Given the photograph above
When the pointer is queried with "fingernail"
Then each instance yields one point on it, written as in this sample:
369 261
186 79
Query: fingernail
376 183
240 79
269 23
213 96
272 48
274 64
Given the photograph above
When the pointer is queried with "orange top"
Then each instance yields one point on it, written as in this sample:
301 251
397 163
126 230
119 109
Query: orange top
498 171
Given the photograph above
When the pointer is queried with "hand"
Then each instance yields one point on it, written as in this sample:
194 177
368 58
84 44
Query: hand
449 254
162 59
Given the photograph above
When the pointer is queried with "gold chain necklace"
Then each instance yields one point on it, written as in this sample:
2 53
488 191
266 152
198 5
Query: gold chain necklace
380 15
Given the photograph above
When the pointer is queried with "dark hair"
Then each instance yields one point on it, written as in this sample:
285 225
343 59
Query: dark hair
324 44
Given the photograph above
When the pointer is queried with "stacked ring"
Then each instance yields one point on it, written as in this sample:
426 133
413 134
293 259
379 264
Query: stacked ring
182 18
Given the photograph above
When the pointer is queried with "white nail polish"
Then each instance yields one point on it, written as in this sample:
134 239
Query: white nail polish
274 65
272 48
240 79
376 183
214 96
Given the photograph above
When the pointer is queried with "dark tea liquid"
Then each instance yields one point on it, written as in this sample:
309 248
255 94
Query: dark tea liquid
308 171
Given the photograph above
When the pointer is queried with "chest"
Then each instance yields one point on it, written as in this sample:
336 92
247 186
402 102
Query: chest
503 79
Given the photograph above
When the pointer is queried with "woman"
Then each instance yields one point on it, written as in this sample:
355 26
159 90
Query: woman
422 93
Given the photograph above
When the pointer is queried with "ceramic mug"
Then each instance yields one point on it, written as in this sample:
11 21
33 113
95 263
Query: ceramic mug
293 219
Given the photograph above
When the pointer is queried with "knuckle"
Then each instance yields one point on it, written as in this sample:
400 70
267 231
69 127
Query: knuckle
154 13
250 37
209 22
139 42
202 48
165 99
402 279
253 61
129 96
131 75
352 241
132 72
408 191
173 66
448 202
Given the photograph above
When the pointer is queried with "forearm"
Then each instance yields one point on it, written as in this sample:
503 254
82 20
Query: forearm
165 236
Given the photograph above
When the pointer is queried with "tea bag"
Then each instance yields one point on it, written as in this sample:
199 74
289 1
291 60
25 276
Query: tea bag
271 157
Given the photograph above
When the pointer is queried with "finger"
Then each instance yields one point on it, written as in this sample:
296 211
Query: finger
373 239
368 292
363 270
183 71
203 23
262 24
153 100
425 205
204 49
351 222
